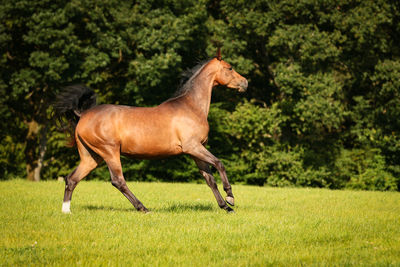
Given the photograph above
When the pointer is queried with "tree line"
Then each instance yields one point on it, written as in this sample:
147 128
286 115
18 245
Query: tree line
322 108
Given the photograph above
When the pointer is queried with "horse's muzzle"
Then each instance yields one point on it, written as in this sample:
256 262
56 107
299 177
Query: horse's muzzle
243 86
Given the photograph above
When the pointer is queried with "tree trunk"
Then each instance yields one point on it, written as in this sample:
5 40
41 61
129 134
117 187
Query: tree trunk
35 151
42 153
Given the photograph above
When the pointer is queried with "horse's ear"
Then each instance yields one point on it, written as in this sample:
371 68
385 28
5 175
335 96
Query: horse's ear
218 56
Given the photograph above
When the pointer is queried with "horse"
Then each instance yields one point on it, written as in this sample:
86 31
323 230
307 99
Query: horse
177 126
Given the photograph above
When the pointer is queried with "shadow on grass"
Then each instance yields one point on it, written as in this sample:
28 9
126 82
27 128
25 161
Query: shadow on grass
104 208
173 207
183 207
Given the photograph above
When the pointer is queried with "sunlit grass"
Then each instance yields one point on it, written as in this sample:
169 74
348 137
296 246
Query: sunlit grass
270 227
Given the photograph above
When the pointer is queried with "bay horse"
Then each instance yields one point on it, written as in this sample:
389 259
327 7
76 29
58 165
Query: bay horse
177 126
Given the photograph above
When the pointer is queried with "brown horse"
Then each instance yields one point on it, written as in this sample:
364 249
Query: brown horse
177 126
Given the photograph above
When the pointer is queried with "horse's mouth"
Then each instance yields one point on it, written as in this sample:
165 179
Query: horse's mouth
242 89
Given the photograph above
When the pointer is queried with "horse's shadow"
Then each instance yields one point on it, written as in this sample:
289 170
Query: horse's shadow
173 207
183 207
104 208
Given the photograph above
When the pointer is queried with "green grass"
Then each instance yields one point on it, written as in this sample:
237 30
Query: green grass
270 227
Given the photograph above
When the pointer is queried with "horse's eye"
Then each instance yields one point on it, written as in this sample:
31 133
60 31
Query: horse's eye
230 68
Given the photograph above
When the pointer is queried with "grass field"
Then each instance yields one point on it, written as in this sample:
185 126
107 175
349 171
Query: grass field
276 227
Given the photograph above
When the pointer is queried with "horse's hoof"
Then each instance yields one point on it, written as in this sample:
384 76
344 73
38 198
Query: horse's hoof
229 210
144 210
230 201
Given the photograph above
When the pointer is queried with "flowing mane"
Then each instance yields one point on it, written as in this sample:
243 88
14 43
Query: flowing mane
188 76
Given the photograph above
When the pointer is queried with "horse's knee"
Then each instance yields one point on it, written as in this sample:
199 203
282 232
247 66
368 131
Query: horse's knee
220 166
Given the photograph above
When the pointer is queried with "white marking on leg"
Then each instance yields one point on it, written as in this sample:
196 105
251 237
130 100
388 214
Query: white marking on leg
66 207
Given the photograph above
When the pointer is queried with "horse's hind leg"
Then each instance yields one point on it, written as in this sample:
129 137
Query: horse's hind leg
112 158
89 161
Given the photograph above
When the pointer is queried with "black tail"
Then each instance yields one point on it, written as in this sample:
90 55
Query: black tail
69 105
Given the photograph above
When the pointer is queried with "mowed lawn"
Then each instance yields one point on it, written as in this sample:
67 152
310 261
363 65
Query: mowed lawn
270 226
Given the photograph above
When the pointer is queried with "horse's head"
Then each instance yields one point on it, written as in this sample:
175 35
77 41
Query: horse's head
227 76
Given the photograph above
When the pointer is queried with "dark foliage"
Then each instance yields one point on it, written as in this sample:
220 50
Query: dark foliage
322 108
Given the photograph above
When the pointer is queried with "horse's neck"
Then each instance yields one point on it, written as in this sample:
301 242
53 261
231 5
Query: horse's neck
200 94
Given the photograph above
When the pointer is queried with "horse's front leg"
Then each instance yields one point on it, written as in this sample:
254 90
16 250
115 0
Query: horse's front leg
199 152
206 173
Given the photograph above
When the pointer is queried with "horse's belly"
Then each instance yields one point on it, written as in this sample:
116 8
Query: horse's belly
149 147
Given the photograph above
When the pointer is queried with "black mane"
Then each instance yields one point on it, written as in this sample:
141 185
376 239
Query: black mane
186 83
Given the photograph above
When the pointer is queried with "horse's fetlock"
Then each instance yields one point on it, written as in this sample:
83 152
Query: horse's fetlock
228 189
